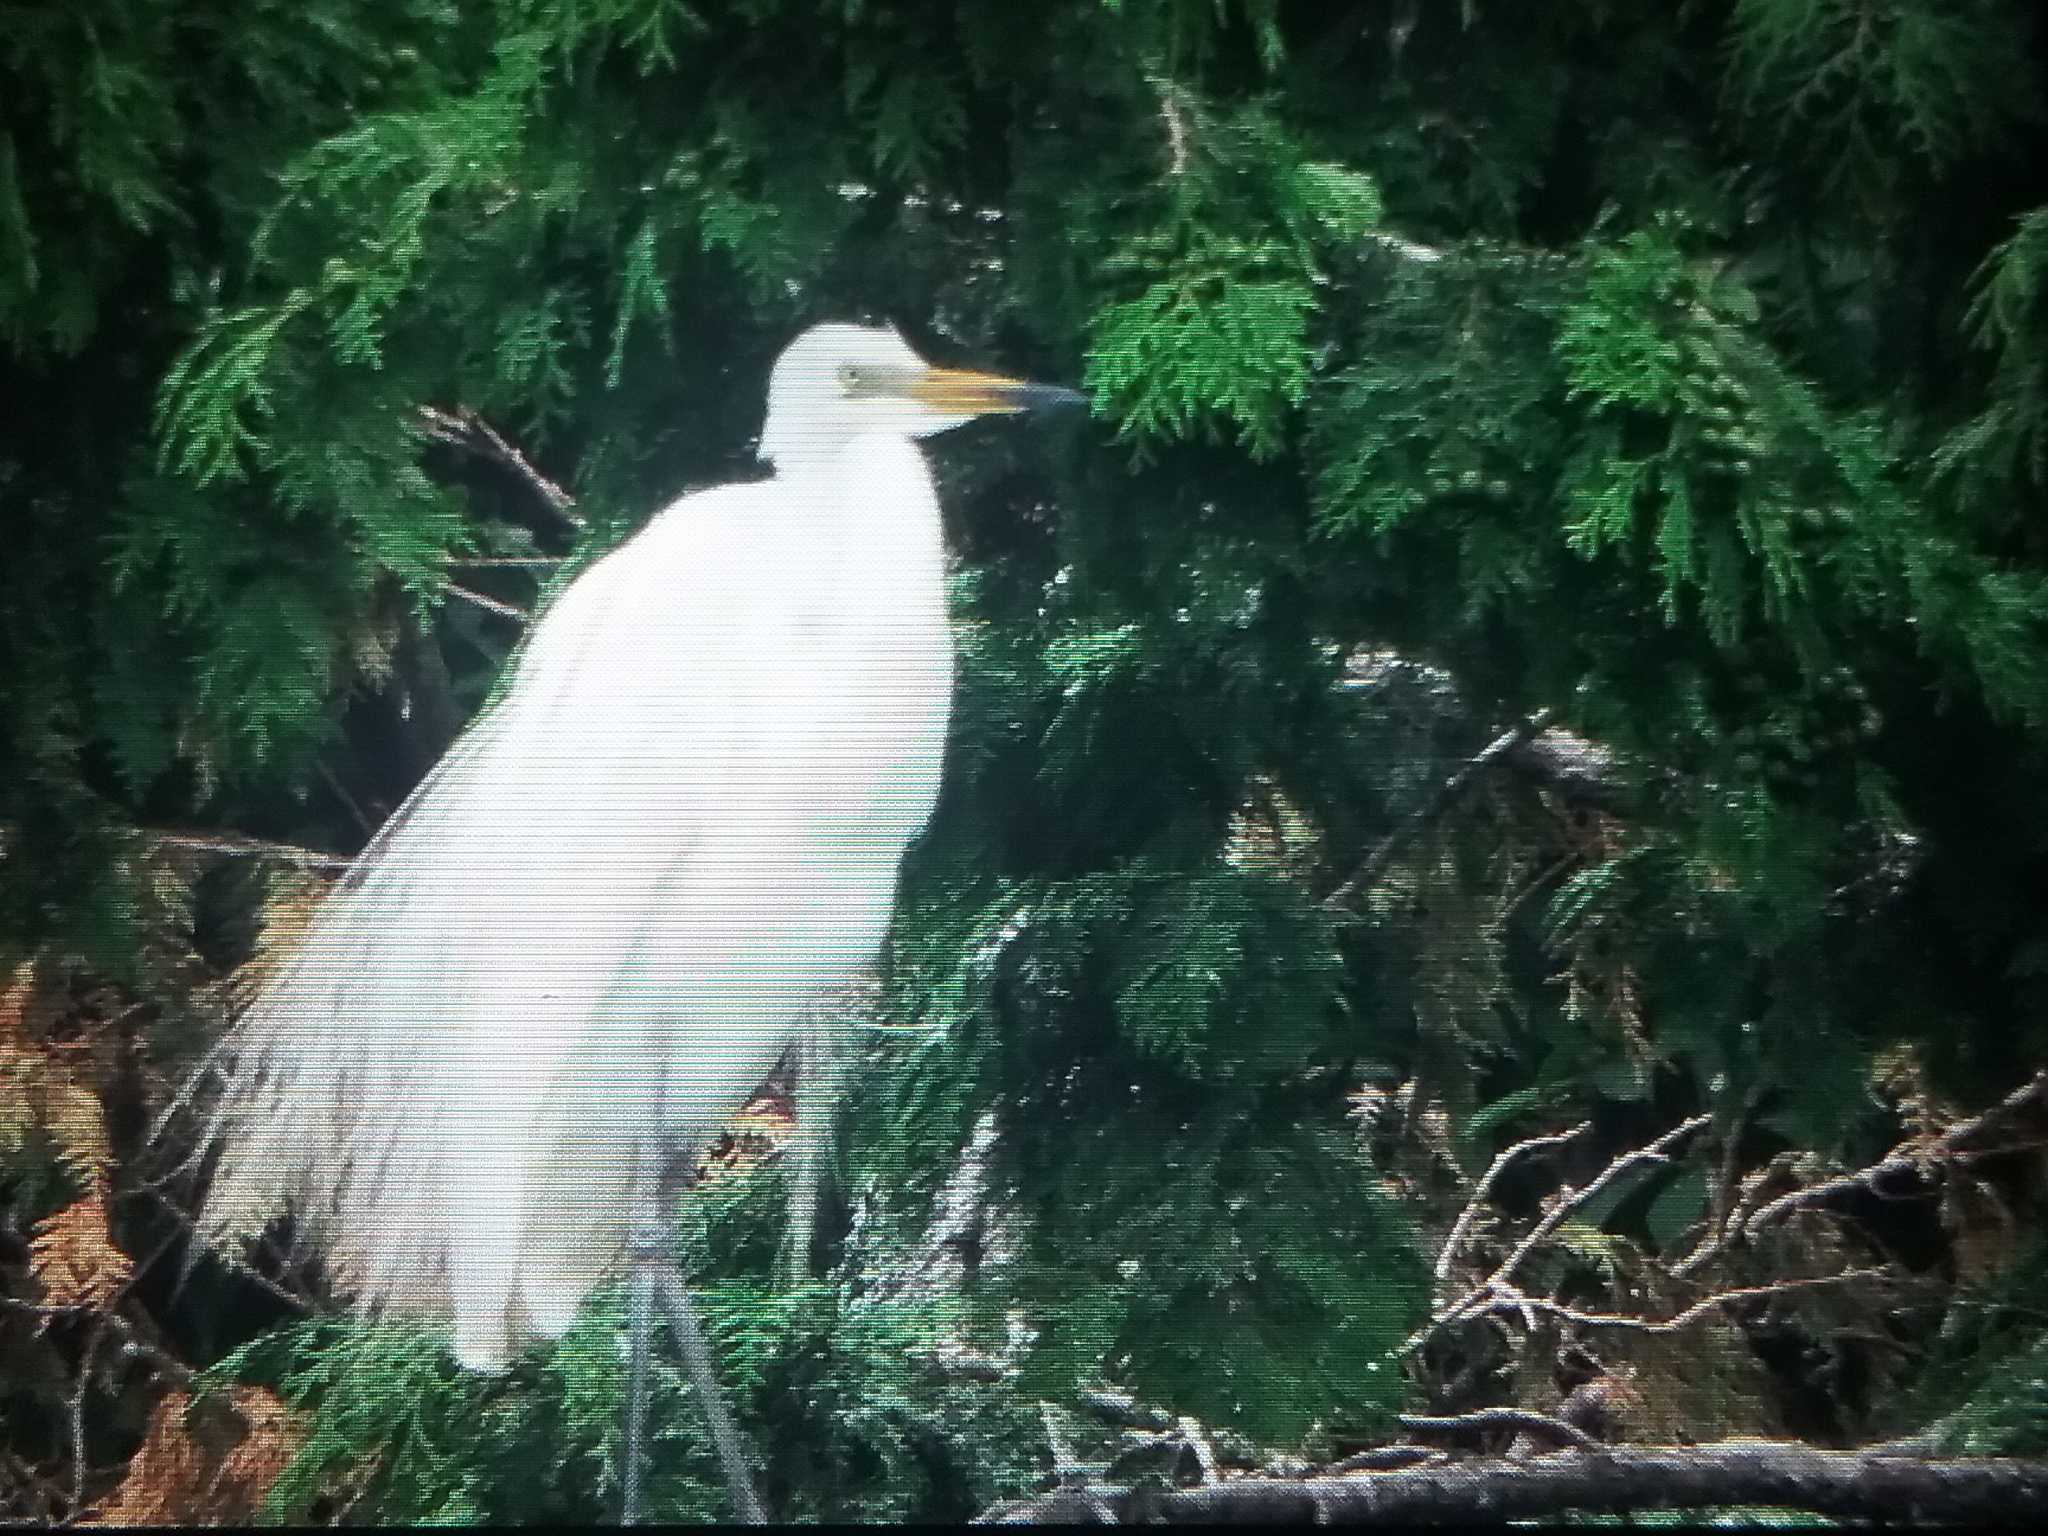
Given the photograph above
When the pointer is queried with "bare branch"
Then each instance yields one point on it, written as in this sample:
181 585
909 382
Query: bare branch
92 1349
1176 129
1857 1485
1383 1458
1952 1143
1122 1408
236 844
1065 1469
1523 1421
1406 249
1498 1292
1610 1479
1725 1213
1205 1453
463 428
1441 801
133 1346
1462 1228
348 801
1513 1300
1657 1151
488 604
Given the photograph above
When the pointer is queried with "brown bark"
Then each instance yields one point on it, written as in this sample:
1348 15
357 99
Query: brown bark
1869 1485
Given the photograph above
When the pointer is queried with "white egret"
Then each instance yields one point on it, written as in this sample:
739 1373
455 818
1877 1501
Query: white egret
590 933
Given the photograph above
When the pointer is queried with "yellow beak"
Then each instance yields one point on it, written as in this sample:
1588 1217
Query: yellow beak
962 392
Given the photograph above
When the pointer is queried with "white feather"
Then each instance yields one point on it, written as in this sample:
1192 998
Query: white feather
596 924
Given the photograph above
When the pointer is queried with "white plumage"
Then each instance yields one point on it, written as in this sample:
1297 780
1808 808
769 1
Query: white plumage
596 925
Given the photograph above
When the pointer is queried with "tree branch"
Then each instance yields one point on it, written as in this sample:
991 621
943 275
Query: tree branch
463 428
1657 1151
1440 802
488 604
1462 1227
1498 1292
133 1346
1523 1421
244 847
1512 1300
1950 1144
1864 1485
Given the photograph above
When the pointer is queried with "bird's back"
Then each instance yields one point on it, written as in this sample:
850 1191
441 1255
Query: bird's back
595 925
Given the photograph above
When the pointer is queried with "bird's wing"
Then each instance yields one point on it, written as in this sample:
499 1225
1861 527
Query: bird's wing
390 1078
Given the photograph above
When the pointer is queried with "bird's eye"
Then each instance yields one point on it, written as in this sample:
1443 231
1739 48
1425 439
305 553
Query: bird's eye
851 377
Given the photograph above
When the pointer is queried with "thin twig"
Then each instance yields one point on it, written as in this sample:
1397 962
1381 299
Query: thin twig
298 1303
1693 1313
1121 1408
236 844
1440 802
1382 1458
464 428
1498 1292
1540 1426
1407 250
1854 1485
488 604
1065 1469
1176 130
1205 1453
133 1345
1725 1212
208 1066
348 801
1949 1144
1658 1151
1462 1227
85 1363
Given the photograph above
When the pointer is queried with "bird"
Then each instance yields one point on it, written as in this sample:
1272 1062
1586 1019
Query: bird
588 935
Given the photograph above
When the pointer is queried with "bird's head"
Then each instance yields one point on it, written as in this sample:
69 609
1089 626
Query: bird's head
838 382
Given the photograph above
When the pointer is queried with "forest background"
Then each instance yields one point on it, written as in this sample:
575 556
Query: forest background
1493 851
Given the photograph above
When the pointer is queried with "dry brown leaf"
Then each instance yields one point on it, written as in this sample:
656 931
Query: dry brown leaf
73 1257
204 1465
77 1127
288 911
14 1001
1900 1074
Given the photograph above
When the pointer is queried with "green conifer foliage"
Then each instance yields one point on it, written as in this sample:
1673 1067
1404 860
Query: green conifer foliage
1679 371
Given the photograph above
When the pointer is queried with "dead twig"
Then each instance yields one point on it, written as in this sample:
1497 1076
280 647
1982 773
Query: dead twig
133 1346
463 428
1692 1314
1461 1229
1725 1212
1383 1458
1498 1292
85 1364
1908 1161
1572 1201
487 603
348 801
1441 801
1197 1439
237 845
1856 1485
1122 1409
1523 1421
